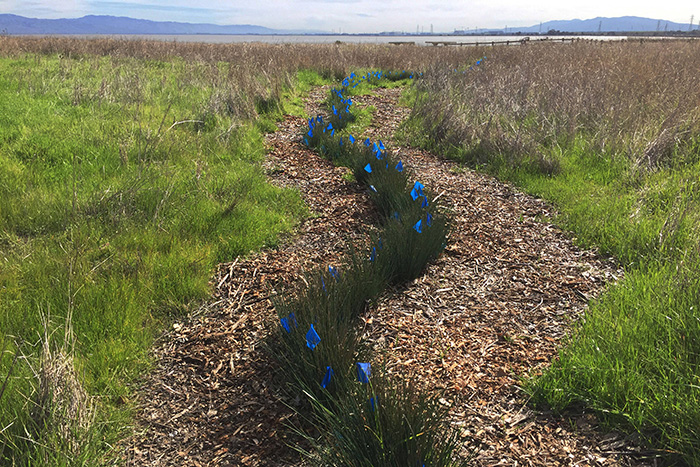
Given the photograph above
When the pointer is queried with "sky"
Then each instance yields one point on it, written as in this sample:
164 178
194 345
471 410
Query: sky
355 16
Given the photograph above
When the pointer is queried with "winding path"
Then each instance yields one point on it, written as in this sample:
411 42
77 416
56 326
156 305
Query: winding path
494 307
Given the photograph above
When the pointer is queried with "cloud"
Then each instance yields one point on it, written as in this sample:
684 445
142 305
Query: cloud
355 15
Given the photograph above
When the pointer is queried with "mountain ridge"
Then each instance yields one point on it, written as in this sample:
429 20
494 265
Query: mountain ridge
114 25
106 24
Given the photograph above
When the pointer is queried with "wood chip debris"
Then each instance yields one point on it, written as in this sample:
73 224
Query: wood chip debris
493 308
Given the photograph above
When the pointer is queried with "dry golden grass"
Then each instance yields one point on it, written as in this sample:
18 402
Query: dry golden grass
636 99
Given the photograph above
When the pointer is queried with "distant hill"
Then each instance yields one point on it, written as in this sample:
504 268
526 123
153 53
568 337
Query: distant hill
622 24
14 24
619 24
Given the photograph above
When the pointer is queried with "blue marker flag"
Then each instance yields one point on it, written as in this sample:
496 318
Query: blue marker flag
364 371
399 166
311 133
327 379
373 256
351 139
335 111
368 169
424 204
333 132
312 338
285 324
288 322
381 145
414 194
371 403
334 273
371 187
429 220
418 186
329 127
367 142
306 141
341 141
419 226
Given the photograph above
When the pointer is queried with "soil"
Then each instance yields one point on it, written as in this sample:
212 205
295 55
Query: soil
492 309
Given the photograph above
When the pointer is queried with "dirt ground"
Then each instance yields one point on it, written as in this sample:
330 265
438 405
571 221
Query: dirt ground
492 309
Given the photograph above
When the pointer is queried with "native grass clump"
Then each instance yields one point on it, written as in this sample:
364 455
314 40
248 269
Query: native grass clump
360 416
610 133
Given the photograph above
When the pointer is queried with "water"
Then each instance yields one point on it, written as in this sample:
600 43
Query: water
329 39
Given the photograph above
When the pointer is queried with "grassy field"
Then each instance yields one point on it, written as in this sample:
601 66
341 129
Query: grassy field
127 171
610 133
121 186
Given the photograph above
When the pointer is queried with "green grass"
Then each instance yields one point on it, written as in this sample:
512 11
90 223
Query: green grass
634 357
112 217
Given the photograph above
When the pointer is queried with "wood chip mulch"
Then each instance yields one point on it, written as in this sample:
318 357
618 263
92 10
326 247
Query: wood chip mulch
493 308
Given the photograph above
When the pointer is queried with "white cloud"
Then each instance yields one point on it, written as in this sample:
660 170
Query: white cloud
358 15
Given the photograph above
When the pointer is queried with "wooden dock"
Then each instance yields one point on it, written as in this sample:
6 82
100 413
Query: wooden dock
522 41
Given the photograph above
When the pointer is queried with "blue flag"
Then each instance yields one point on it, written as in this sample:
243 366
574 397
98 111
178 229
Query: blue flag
367 142
285 324
368 169
312 338
288 322
424 204
419 226
364 371
373 256
334 273
399 166
429 220
371 187
351 139
414 194
327 379
418 186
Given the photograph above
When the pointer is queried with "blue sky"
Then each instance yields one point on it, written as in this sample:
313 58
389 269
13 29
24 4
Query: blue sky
358 15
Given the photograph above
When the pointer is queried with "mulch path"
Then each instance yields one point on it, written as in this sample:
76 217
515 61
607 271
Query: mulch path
494 307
